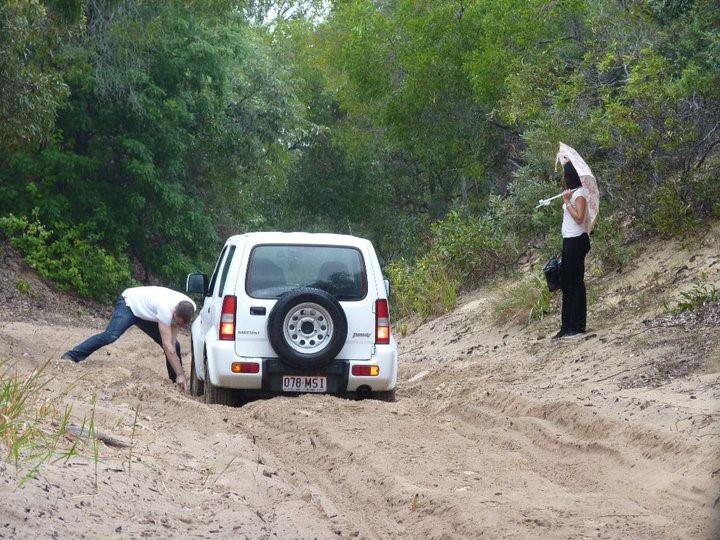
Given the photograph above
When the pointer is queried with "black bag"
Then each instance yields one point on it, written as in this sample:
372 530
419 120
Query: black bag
552 273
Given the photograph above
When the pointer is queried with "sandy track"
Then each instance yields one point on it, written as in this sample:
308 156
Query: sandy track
497 433
470 449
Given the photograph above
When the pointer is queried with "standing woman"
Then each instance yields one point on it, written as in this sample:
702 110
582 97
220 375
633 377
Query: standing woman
576 244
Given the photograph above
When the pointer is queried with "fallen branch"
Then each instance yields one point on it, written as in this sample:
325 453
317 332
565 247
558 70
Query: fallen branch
83 433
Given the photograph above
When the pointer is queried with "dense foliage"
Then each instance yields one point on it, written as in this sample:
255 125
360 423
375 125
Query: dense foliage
149 130
167 124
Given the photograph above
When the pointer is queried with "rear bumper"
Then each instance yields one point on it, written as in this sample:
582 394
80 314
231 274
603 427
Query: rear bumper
221 355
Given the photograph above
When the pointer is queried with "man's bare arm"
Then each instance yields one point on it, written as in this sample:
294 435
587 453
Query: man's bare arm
168 344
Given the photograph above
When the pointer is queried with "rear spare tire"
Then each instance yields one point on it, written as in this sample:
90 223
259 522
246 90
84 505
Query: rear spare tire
307 328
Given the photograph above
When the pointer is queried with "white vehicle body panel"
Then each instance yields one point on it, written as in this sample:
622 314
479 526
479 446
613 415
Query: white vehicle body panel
251 342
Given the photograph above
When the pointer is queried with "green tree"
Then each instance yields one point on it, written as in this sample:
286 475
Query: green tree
31 87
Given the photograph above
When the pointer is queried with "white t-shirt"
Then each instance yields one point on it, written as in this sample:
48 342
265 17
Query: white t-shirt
570 227
155 304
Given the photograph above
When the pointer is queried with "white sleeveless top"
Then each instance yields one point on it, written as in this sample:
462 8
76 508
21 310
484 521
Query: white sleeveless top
570 227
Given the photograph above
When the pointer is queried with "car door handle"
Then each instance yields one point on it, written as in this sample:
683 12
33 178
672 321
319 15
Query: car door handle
257 310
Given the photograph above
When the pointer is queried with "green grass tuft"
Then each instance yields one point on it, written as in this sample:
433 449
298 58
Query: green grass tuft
22 286
698 296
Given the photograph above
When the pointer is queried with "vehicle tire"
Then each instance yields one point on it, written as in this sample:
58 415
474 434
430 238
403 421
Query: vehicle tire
197 387
215 395
307 328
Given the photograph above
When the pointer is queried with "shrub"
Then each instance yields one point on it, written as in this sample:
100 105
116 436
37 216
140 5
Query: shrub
516 213
423 288
522 302
672 214
67 258
470 248
464 250
608 246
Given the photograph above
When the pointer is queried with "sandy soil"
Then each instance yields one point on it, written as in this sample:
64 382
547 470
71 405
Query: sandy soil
496 433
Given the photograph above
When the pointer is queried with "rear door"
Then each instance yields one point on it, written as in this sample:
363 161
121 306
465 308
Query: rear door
273 269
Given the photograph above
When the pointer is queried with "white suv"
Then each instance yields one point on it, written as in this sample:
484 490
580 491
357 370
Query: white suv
289 313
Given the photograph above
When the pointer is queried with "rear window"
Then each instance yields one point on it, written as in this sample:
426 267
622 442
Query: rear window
276 269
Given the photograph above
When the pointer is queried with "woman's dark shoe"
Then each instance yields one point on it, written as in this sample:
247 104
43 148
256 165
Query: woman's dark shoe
67 356
560 334
571 335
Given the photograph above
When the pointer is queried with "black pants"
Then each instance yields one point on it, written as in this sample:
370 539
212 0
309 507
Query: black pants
572 281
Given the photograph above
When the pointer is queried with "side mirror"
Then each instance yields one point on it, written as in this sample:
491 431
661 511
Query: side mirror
197 284
387 287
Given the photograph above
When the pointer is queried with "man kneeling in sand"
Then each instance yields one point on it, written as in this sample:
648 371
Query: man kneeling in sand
157 311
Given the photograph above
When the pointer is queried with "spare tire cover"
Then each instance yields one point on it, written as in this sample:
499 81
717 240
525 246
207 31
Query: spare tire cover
307 328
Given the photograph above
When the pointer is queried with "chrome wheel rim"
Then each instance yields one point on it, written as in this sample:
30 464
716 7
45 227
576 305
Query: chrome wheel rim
308 328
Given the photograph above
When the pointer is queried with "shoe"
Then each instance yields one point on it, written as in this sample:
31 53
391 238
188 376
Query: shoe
67 356
560 334
571 335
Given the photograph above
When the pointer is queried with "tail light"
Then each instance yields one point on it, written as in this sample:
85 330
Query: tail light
365 371
245 367
227 318
382 322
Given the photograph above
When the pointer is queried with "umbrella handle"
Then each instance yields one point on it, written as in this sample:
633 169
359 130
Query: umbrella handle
546 202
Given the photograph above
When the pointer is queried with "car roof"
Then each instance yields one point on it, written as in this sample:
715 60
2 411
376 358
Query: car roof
256 238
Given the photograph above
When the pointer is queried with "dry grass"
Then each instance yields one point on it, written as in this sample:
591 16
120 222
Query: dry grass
34 429
522 302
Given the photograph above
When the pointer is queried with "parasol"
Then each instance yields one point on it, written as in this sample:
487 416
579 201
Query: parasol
587 178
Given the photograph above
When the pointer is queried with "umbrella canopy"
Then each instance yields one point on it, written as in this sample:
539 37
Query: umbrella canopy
587 178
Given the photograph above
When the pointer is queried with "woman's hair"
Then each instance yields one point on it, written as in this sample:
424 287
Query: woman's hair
572 180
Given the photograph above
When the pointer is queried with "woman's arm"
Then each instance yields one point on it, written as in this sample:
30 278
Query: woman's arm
578 209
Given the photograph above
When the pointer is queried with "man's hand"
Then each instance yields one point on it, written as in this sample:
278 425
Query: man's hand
181 381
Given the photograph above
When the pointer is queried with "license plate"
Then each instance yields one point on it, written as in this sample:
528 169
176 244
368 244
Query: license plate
295 383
